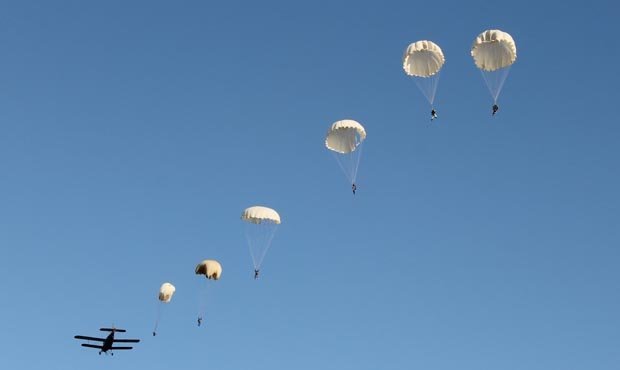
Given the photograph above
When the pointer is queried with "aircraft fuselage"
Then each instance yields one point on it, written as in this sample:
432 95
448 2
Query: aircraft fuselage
107 343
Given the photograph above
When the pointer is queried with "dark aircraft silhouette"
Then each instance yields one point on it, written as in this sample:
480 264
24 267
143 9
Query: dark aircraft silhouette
108 342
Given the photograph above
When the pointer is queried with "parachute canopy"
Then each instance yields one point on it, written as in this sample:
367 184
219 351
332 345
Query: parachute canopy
344 136
260 214
493 49
165 292
261 224
423 59
209 268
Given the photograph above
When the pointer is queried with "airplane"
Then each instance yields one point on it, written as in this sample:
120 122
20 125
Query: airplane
108 342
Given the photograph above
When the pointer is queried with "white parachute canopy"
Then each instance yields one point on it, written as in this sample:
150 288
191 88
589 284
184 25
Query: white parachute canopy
211 269
344 139
423 61
165 292
261 225
494 51
165 295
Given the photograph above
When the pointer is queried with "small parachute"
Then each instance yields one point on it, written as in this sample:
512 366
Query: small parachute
344 139
494 52
261 225
423 61
166 291
212 270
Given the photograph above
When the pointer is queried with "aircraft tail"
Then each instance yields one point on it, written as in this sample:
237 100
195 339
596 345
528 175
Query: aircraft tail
113 329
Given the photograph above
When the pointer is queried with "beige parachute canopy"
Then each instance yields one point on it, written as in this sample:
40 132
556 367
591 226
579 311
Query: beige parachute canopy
493 49
260 214
342 136
165 292
209 268
423 59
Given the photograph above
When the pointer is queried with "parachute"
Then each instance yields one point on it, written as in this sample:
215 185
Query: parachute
165 295
212 270
165 292
261 225
494 52
344 139
423 61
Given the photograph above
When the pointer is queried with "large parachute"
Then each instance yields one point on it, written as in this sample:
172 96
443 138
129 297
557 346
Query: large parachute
344 139
261 225
423 61
494 52
166 291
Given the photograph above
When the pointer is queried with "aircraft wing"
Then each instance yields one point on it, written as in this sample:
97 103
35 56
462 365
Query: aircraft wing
91 346
115 348
89 338
126 340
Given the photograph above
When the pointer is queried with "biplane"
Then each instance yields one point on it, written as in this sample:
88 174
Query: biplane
107 343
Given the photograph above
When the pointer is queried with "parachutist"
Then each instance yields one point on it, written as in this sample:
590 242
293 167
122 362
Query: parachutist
256 274
433 114
199 321
154 334
495 109
354 188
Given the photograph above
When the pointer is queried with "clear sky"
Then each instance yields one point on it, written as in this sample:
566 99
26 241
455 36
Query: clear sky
133 134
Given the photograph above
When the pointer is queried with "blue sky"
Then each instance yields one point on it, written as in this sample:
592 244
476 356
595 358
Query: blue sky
135 133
